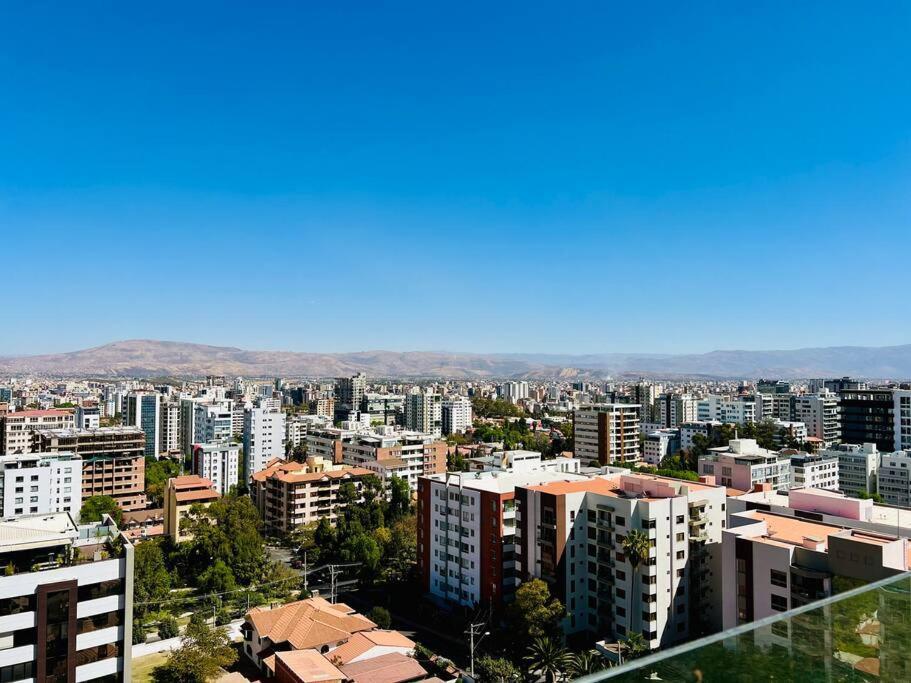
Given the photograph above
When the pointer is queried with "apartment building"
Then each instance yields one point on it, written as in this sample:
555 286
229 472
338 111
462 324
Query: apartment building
688 430
742 464
34 483
607 434
298 426
180 495
291 494
867 416
404 454
466 534
813 470
67 600
214 422
820 413
774 563
660 444
857 466
675 409
456 415
17 429
264 434
219 462
827 507
387 409
424 412
571 534
143 409
349 393
170 427
893 479
113 460
728 409
87 417
902 419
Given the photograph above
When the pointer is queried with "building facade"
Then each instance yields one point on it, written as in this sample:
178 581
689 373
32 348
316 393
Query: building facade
607 434
219 462
34 484
142 409
17 429
264 433
456 415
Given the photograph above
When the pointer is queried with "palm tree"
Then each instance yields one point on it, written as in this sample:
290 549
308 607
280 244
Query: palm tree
634 646
636 548
548 657
584 663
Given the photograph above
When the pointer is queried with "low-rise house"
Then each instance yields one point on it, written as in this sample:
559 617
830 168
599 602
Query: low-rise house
181 494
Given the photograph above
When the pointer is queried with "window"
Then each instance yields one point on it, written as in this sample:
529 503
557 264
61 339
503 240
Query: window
620 521
680 554
679 519
779 578
779 603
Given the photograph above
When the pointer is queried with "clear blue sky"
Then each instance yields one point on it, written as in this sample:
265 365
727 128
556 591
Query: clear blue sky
574 177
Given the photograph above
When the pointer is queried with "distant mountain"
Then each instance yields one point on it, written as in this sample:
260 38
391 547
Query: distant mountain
147 358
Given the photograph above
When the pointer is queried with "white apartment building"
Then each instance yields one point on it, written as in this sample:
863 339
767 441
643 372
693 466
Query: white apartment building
607 433
404 454
466 534
170 427
902 414
793 430
16 429
727 409
857 465
87 417
675 409
893 479
264 433
522 461
660 444
820 413
814 470
424 412
570 534
742 464
690 429
214 422
219 462
513 391
77 584
37 484
456 414
298 426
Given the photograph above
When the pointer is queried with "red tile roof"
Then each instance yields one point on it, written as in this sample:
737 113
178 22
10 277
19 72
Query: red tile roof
391 668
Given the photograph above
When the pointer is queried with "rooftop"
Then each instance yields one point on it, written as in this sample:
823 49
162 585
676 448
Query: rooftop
498 481
309 666
309 623
32 532
390 668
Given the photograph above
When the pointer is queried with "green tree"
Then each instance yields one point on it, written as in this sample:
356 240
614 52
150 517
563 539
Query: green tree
228 530
547 657
151 579
168 627
486 407
202 654
534 613
400 498
636 546
94 507
634 646
381 617
157 473
496 670
217 579
584 663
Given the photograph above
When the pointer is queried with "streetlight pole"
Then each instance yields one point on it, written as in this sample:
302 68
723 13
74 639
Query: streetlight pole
473 630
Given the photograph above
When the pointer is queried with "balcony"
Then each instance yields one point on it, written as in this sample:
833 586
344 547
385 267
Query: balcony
862 634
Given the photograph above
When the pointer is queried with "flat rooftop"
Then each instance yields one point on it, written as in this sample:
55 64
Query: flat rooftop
32 532
498 481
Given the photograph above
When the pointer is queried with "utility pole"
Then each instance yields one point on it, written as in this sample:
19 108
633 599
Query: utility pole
474 630
305 571
333 573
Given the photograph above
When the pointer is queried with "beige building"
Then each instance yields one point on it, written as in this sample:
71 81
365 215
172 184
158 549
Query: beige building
180 495
290 494
607 434
17 429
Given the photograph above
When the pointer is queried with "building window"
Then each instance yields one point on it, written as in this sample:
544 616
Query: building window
779 578
779 603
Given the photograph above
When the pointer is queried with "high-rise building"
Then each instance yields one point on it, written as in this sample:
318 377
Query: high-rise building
214 422
571 535
867 416
170 427
264 434
349 393
389 453
424 412
645 395
675 409
219 462
113 460
67 600
607 433
87 417
35 484
17 429
513 391
387 409
456 414
142 409
814 470
728 410
902 419
820 413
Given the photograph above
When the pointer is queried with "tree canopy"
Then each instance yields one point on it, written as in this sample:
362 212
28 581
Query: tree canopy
202 654
94 507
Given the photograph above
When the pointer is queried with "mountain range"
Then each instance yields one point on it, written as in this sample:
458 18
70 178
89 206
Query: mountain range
150 358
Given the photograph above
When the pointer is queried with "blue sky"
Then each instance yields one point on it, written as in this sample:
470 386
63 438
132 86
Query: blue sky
581 177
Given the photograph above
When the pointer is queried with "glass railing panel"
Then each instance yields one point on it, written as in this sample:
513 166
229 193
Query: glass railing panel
861 634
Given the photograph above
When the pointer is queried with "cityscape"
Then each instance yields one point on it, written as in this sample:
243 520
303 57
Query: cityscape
475 343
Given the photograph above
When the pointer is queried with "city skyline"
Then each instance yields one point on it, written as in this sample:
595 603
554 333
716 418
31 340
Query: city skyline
669 181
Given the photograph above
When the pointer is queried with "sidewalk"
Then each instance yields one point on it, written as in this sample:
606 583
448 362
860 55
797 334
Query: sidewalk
144 649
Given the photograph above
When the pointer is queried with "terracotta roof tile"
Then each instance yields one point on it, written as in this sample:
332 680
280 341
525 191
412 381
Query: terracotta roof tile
390 668
309 623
